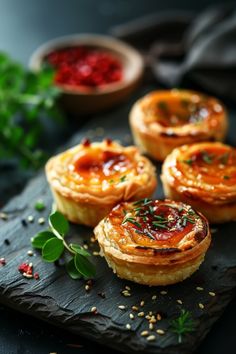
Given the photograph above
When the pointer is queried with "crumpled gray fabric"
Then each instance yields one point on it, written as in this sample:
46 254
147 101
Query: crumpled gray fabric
180 45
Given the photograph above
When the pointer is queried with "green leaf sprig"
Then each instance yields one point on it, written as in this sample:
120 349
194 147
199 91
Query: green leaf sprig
53 244
25 97
182 325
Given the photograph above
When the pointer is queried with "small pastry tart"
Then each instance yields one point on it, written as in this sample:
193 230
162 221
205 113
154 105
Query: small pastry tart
204 176
89 179
163 120
153 242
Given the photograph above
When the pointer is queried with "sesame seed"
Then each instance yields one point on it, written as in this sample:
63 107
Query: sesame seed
30 253
122 307
179 301
126 293
151 338
142 303
199 288
201 306
150 313
41 221
141 314
95 253
30 264
154 297
148 317
87 287
134 308
92 239
144 333
151 326
93 309
211 293
85 247
160 331
128 326
3 216
152 320
127 287
30 218
131 316
158 317
163 292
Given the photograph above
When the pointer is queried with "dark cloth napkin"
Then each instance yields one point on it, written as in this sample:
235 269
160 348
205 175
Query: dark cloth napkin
179 45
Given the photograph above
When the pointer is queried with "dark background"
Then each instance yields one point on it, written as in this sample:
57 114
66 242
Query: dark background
24 25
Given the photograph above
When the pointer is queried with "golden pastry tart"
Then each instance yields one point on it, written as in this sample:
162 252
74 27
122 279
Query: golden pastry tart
89 179
204 176
153 242
163 120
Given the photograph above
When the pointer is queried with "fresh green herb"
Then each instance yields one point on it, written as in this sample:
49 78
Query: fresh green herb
143 202
39 205
163 106
123 178
132 221
159 224
25 97
226 177
52 243
206 157
224 158
182 325
188 162
111 181
184 103
187 219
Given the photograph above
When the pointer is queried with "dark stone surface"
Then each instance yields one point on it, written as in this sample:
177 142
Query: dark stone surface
57 299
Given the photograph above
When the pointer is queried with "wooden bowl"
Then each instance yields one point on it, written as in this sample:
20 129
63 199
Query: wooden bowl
81 101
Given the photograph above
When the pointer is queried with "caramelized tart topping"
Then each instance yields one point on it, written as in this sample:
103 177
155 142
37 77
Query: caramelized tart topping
213 165
175 111
96 163
158 223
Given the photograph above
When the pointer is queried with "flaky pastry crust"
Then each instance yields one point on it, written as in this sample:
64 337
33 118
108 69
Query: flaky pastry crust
163 120
90 178
204 176
153 242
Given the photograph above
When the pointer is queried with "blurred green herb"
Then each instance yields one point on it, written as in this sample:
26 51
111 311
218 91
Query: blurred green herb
24 98
52 243
183 324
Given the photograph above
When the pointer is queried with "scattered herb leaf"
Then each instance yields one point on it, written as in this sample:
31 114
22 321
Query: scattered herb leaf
162 105
59 223
39 205
123 178
53 245
52 250
41 238
182 325
72 271
83 266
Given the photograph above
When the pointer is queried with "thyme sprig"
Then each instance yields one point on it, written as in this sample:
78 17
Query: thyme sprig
182 325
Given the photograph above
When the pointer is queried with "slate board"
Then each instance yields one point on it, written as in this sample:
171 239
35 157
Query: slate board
57 299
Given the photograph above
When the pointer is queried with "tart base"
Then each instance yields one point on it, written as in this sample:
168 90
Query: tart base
153 275
80 213
216 214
